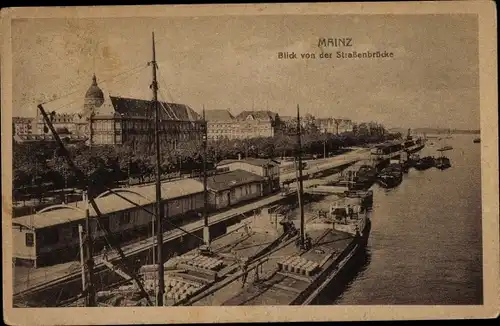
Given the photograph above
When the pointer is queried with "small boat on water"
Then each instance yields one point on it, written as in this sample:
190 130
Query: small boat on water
477 140
424 163
445 148
442 163
391 176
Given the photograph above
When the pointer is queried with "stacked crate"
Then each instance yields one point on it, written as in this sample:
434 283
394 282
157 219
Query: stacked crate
178 289
298 265
205 262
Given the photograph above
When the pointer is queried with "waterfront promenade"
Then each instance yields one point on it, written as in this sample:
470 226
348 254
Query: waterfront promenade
320 165
32 279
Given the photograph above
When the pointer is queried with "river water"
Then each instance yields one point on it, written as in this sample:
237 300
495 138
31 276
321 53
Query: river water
425 245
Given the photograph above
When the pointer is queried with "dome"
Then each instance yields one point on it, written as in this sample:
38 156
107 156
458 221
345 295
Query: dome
93 98
94 92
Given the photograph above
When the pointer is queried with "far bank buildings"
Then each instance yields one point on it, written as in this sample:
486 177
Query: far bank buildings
113 120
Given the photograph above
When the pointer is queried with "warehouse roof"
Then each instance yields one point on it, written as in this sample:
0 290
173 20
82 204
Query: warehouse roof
232 179
141 195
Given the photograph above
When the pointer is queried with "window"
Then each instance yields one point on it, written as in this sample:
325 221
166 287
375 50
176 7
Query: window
30 239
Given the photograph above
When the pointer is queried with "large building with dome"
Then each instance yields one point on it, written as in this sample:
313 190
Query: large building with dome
113 120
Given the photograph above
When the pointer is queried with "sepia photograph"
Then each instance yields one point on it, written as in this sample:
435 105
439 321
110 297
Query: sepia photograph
251 156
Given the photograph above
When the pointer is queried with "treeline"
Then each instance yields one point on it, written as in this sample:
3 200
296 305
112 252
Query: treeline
40 167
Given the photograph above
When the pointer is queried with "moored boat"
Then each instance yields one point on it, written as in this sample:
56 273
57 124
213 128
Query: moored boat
391 176
365 178
477 140
424 163
359 176
442 163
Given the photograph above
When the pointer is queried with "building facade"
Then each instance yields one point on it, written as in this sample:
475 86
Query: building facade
23 126
119 120
113 120
222 124
233 187
334 126
268 169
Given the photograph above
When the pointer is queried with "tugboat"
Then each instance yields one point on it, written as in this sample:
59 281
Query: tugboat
424 163
391 176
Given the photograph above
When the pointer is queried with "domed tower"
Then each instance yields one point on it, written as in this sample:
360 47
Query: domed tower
93 98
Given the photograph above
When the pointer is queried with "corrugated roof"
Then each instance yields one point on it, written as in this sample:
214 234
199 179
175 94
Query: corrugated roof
218 115
252 161
228 180
112 203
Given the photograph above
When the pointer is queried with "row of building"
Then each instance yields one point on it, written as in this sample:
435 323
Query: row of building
221 124
51 235
114 120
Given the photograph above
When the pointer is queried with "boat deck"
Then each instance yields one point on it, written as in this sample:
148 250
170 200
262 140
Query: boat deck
281 285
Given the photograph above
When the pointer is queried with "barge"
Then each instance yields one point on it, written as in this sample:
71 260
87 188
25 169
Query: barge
291 275
424 163
391 176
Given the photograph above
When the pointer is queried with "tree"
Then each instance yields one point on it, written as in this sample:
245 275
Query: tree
59 165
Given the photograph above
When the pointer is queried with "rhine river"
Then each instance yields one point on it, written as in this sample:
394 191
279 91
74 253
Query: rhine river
425 245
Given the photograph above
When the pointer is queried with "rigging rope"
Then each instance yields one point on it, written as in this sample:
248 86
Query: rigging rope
160 77
102 81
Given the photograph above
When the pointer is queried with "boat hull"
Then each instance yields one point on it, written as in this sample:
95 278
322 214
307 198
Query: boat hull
415 148
330 284
424 164
390 181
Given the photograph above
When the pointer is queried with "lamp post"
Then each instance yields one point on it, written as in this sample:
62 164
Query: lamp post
324 143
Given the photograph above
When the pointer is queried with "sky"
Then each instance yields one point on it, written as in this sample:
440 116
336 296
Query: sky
231 62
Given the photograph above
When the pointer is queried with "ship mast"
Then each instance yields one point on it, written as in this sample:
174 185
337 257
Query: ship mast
206 228
158 206
301 189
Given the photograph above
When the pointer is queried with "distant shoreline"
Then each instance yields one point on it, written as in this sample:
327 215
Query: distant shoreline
437 131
